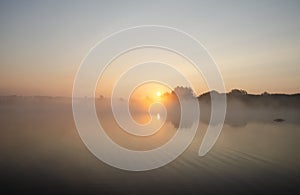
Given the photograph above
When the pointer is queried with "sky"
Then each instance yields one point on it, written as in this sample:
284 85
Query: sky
256 44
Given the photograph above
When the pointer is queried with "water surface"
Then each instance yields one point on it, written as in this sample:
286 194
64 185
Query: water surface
41 152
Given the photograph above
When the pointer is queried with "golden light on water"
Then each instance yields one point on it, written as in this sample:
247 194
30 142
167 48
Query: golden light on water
158 116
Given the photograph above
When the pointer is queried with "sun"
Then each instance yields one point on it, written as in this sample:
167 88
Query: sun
158 94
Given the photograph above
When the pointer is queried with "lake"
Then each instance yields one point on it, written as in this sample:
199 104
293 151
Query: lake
42 153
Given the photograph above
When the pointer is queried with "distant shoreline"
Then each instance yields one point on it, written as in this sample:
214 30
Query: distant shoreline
203 94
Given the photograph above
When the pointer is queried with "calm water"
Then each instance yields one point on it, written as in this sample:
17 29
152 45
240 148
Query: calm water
41 152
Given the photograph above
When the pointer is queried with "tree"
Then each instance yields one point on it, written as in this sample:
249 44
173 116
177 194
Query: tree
184 92
238 92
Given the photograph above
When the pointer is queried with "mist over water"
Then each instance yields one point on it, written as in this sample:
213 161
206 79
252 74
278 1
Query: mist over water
41 151
159 57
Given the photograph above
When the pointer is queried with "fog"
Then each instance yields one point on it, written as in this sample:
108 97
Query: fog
41 151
